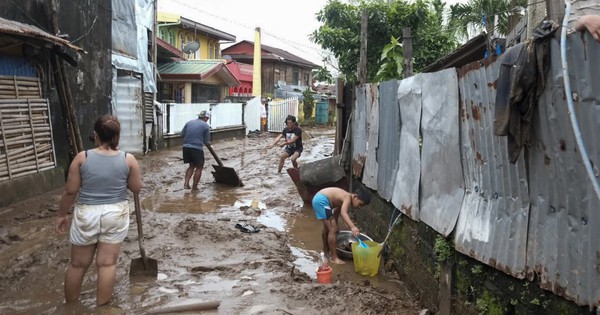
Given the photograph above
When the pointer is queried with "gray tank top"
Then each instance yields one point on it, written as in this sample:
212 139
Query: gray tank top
103 179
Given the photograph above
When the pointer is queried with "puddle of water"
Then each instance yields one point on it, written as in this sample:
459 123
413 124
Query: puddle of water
273 220
213 283
211 198
305 261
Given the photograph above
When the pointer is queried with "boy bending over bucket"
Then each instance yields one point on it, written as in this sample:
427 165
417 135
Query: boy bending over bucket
328 204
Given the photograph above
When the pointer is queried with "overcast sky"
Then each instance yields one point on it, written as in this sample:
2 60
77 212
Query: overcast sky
284 24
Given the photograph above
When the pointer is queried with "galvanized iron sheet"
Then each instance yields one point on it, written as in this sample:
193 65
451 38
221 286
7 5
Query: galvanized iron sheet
127 104
442 185
371 166
564 231
360 127
492 225
26 30
131 21
406 185
389 144
252 114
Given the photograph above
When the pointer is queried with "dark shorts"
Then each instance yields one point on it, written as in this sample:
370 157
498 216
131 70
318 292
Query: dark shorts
291 151
193 156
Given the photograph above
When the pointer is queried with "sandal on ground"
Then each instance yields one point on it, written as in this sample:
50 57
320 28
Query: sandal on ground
247 228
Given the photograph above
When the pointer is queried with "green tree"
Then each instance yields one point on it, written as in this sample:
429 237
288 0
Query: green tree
391 58
308 103
340 32
321 74
477 13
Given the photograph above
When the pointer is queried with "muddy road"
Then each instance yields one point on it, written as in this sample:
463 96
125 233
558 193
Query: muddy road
202 256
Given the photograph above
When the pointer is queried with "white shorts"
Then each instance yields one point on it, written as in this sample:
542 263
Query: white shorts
100 223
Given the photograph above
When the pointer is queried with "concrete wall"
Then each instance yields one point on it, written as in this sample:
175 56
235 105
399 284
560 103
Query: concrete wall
215 135
29 186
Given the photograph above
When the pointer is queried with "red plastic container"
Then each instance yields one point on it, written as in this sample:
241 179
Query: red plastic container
325 275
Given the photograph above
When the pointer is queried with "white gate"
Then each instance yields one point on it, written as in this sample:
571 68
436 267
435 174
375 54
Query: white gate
279 110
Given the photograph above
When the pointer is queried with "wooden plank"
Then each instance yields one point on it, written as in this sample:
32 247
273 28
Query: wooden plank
20 82
16 87
20 88
33 137
5 146
10 77
38 100
40 139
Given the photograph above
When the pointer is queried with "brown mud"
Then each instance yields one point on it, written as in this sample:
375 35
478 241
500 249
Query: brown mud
202 256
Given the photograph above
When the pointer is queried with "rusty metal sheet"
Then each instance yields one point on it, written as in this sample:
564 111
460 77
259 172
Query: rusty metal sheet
442 185
26 30
360 130
389 146
492 224
371 167
406 185
564 228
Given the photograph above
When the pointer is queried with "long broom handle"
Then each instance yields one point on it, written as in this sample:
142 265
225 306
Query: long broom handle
138 218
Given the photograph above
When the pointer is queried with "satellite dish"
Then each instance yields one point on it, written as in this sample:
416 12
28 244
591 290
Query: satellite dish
191 47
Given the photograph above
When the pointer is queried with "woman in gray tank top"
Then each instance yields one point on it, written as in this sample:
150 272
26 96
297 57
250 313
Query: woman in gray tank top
100 177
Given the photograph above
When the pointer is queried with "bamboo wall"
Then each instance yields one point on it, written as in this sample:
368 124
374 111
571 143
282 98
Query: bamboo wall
26 145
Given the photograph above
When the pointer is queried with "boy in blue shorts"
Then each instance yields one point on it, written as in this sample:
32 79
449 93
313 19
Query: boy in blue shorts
328 204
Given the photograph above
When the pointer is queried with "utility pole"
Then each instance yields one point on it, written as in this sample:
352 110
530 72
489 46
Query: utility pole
362 63
407 52
556 10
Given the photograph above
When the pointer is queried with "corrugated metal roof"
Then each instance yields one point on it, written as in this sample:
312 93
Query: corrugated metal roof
26 30
205 29
185 23
442 185
473 50
492 225
564 231
268 53
197 70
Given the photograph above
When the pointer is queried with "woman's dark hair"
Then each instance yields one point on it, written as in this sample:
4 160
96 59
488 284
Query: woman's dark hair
108 129
292 118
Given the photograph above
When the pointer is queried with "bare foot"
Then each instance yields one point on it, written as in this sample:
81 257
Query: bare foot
186 187
195 188
337 261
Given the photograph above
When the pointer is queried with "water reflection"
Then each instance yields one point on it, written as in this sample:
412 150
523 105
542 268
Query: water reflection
273 220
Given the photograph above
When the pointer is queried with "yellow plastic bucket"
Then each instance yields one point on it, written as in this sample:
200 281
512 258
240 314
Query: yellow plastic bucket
366 260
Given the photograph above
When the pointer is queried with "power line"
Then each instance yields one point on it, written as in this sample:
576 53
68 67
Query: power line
299 46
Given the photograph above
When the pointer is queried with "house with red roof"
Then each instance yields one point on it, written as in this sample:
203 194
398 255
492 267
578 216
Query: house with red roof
278 67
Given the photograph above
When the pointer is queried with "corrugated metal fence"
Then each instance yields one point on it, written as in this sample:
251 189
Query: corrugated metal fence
432 152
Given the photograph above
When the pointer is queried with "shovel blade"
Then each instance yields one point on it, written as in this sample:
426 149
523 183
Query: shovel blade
139 269
226 175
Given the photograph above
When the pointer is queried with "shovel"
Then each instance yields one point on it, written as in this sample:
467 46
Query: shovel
223 174
144 266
